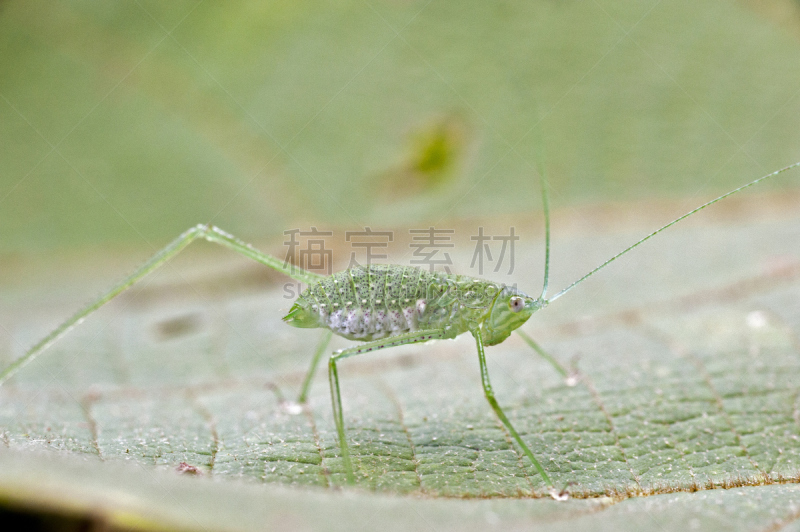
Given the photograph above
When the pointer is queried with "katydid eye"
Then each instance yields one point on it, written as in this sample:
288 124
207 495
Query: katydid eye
516 304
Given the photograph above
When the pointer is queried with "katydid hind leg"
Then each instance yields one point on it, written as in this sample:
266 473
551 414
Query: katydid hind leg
207 232
321 347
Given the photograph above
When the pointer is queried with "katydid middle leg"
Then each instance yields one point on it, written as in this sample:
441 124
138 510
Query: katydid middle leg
333 377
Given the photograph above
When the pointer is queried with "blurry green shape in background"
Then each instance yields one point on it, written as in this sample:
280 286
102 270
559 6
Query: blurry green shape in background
132 121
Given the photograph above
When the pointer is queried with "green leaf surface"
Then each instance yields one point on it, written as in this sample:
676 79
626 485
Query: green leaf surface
683 387
123 124
155 500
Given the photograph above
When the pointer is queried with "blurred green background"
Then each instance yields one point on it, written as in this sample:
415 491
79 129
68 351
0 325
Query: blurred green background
126 122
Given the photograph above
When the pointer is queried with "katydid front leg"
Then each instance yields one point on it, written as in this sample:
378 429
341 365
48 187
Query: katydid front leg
487 390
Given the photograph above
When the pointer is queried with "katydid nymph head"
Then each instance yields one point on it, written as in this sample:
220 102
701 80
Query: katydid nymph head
511 308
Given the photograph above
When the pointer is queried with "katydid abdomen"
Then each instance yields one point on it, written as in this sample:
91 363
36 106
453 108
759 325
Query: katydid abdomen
382 300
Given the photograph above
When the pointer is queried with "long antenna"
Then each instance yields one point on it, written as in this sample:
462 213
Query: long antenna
673 222
546 208
540 168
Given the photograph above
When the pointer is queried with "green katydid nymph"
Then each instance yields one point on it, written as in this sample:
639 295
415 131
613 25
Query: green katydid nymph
385 306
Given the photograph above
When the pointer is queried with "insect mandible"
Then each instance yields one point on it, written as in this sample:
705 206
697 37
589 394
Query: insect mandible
385 306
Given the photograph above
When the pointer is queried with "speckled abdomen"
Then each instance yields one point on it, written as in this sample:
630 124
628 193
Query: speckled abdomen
368 303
